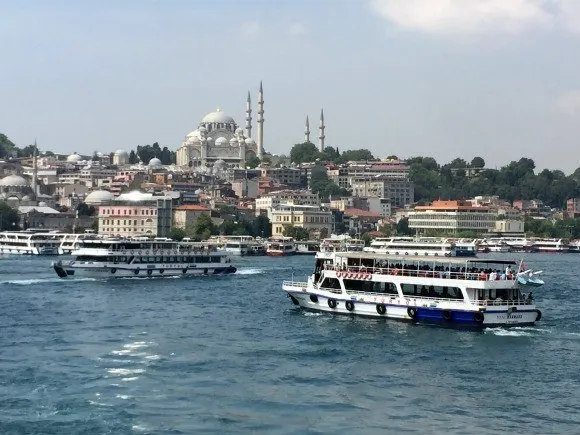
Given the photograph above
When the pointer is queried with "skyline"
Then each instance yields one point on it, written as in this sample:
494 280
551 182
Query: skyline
494 78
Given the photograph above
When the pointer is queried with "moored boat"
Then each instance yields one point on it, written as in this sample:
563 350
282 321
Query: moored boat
29 243
280 246
428 246
118 258
452 291
575 246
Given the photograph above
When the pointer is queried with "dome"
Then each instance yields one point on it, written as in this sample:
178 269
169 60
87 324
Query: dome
218 116
193 134
99 197
239 130
221 141
26 198
209 139
121 153
14 181
250 141
233 141
135 195
155 163
42 204
219 163
74 158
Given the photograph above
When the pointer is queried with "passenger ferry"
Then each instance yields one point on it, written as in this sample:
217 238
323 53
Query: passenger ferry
494 245
465 247
452 291
29 243
72 242
118 258
280 246
234 245
307 247
575 246
342 243
551 245
429 246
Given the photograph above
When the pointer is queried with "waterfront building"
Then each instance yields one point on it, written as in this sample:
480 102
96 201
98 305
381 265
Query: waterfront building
451 217
309 217
186 215
266 203
573 208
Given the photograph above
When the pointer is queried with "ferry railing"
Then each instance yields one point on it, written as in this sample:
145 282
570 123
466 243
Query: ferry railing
501 302
467 276
300 284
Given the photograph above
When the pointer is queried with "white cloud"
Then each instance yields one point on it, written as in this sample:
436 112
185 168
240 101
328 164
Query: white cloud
479 16
569 102
297 29
250 28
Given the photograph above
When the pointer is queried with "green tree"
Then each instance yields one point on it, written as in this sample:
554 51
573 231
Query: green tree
262 227
177 234
367 238
403 227
297 233
357 155
253 162
477 162
319 183
84 209
9 218
7 147
304 152
132 157
203 227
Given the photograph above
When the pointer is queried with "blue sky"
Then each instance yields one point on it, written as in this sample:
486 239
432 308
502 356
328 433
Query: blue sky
446 78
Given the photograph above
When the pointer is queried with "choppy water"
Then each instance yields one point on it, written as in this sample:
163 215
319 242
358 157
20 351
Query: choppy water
232 354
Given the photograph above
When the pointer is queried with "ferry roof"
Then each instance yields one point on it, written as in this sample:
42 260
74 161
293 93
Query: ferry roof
417 258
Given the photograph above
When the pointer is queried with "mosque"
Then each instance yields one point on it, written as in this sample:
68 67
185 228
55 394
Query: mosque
219 139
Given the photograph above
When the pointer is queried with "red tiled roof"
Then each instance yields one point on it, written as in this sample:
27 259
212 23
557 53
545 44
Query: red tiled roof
360 213
192 207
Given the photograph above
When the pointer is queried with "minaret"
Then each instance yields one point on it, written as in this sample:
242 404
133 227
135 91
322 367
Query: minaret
321 132
248 116
307 131
261 122
35 170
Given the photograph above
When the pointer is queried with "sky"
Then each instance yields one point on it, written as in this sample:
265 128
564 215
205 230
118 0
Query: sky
498 79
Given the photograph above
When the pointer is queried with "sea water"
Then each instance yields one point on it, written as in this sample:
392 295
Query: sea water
232 354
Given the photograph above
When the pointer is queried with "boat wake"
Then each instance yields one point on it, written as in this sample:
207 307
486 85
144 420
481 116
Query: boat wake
43 281
249 272
517 331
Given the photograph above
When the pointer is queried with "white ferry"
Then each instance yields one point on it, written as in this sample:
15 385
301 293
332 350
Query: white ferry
72 242
494 245
342 243
117 258
29 243
280 246
465 247
575 246
429 246
453 291
551 245
234 245
307 247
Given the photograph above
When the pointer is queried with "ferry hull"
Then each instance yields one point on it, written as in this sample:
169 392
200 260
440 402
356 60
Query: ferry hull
385 308
68 271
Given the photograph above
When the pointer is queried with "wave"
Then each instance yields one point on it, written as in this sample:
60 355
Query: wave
249 272
125 372
43 281
511 332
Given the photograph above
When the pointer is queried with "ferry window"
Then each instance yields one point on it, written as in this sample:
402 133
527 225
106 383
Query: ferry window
358 285
157 259
432 291
215 259
172 259
330 283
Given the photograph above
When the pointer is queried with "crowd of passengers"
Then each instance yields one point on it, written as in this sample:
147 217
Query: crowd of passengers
470 273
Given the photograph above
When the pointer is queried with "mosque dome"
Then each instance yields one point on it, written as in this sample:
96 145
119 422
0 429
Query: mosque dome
26 198
219 117
210 139
233 141
74 158
14 181
99 197
250 141
121 153
155 163
221 141
239 130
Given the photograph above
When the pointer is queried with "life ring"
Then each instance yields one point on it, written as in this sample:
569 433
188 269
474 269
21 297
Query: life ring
538 315
406 253
161 271
447 316
370 276
136 271
314 298
113 270
332 303
349 305
412 312
478 316
381 309
149 271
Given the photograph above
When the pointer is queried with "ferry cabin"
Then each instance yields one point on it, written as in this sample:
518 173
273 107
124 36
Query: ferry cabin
445 290
430 246
29 243
281 246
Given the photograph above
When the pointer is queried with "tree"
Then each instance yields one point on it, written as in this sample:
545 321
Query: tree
366 237
27 151
477 162
95 157
403 228
84 209
297 233
203 227
253 162
357 155
304 152
262 227
177 234
6 146
132 157
9 218
319 183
